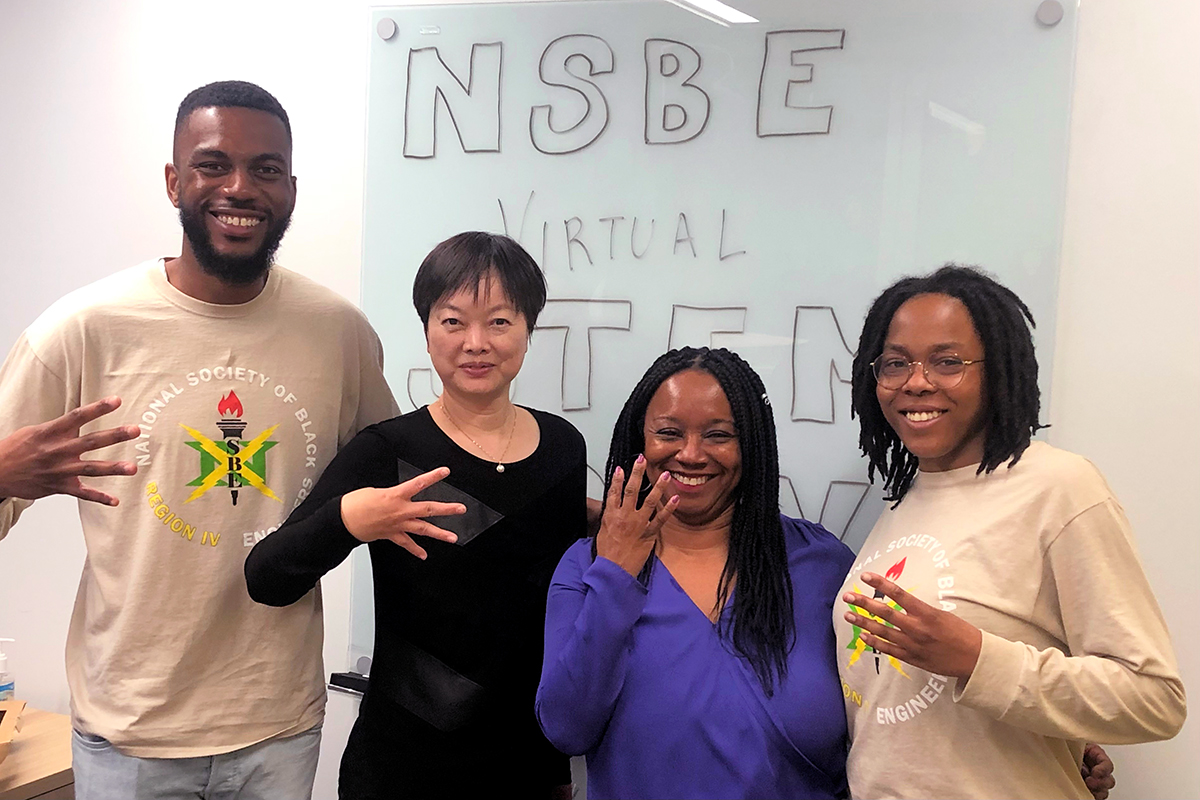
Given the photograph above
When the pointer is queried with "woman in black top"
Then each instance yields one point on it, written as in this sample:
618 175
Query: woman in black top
458 629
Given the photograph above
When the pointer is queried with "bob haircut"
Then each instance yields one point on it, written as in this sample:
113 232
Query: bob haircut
470 260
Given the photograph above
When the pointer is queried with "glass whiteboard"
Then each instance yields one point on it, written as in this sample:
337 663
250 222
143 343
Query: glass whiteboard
683 182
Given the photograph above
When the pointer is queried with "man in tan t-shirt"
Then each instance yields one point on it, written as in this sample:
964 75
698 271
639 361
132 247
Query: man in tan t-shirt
237 382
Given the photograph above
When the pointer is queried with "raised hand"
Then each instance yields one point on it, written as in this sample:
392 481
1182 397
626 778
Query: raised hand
41 460
628 533
370 514
914 631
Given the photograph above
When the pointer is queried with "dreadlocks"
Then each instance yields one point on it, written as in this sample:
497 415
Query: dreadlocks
763 629
1003 323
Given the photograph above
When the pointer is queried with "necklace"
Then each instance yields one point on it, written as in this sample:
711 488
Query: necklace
512 427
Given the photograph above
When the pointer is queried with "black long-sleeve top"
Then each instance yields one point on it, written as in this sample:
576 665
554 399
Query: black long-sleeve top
449 708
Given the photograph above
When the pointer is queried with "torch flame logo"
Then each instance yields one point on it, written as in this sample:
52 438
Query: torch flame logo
230 405
894 571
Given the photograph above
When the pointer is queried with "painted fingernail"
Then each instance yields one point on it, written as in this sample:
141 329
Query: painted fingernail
666 476
641 459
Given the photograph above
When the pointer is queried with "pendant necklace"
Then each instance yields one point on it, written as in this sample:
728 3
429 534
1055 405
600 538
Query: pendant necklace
512 427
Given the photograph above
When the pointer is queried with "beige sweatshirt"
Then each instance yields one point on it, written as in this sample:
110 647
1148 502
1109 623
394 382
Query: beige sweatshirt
241 407
1040 557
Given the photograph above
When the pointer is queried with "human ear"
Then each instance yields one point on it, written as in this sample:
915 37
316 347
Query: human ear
172 176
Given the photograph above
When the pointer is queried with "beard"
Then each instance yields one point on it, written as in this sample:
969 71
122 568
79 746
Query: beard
233 270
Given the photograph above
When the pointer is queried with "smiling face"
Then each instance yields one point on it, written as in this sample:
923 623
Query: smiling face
232 183
944 428
477 342
689 432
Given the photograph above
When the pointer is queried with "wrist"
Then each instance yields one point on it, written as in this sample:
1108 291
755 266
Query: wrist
971 658
630 560
350 512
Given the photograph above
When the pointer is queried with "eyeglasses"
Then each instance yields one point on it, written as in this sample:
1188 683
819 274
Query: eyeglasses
943 371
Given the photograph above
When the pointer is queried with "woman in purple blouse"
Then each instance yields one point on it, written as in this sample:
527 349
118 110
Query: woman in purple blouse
688 646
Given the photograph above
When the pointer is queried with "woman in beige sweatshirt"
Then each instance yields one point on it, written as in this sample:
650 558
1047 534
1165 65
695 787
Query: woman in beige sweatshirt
997 617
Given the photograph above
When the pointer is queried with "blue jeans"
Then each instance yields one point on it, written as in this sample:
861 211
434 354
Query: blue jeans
277 769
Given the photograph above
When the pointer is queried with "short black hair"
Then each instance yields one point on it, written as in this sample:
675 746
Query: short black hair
1004 324
764 626
231 94
469 260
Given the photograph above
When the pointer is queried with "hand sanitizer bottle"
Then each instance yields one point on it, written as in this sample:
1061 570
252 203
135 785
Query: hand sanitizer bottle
6 679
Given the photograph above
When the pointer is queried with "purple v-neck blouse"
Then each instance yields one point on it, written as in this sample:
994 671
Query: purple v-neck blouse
637 679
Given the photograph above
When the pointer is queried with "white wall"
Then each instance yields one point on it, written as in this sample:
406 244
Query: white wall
87 102
87 106
1127 365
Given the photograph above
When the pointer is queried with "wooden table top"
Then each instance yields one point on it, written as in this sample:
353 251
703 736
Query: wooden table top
40 758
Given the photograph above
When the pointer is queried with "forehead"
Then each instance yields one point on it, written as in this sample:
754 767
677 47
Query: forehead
691 394
488 293
932 320
238 132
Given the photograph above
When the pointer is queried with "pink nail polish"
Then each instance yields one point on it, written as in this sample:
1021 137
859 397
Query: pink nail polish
641 459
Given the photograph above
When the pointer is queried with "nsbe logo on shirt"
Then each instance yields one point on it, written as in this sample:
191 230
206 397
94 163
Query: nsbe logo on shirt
235 450
919 558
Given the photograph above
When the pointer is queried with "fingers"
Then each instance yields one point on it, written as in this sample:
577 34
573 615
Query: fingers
654 512
876 629
615 487
433 509
95 469
886 646
421 482
107 438
1099 787
91 495
405 541
875 608
76 418
654 499
420 528
430 531
903 599
661 517
1096 762
634 484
